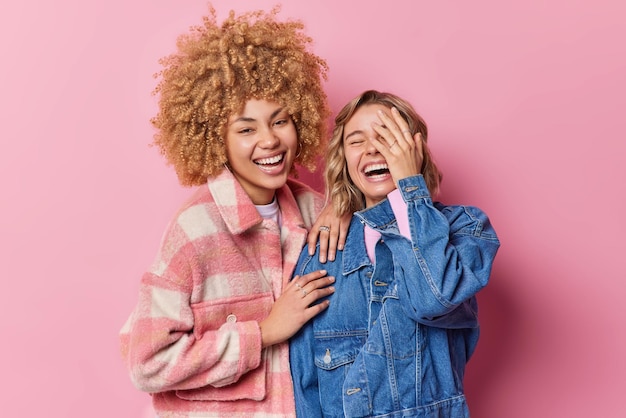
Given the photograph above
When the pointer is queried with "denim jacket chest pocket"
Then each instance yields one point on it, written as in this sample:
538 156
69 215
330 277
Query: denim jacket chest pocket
336 349
334 353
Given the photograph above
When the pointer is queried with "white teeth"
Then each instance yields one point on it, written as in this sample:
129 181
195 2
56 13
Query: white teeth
374 167
272 160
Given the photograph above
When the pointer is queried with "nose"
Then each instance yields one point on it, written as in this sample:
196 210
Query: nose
268 139
369 147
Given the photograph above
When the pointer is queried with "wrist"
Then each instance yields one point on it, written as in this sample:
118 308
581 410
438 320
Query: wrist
266 337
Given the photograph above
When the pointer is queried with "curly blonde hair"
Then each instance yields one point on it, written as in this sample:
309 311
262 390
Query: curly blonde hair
340 189
217 69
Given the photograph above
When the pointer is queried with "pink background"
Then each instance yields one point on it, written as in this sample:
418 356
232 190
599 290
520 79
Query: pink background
525 102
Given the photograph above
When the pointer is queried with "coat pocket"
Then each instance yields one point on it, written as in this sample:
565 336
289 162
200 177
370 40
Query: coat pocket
213 315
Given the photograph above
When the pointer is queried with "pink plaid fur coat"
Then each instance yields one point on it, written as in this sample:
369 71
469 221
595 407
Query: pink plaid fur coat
193 340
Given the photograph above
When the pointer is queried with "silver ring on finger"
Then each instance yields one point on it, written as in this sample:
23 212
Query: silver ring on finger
304 292
324 228
407 131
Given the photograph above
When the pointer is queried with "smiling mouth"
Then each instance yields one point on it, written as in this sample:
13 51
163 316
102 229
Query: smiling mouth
270 161
376 170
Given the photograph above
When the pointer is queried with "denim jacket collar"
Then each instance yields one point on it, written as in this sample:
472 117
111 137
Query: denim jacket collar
380 217
355 256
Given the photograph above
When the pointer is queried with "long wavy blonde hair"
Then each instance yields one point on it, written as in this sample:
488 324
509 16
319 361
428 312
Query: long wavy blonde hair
340 189
217 69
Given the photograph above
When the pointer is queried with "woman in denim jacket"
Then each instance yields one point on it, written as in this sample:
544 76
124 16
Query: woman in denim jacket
402 322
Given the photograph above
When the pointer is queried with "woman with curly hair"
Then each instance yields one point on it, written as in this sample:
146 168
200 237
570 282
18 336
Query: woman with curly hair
402 322
239 104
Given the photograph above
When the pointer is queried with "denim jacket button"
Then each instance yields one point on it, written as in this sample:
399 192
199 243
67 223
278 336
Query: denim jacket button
327 358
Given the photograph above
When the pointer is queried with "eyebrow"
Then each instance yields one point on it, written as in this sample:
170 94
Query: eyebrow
248 119
345 138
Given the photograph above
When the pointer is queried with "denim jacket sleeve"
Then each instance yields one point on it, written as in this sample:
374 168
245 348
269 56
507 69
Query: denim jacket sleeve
301 353
449 260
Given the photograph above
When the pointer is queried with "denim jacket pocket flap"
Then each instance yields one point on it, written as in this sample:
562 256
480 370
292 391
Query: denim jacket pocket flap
334 350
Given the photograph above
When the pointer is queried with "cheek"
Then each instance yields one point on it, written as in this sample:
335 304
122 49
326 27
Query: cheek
231 155
240 147
238 153
292 140
352 161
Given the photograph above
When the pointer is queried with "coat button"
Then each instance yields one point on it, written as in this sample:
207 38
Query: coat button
231 318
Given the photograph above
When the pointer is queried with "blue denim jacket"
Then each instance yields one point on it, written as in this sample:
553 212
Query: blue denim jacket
397 335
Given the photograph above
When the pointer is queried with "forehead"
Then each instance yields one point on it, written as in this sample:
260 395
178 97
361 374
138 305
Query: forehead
363 118
255 108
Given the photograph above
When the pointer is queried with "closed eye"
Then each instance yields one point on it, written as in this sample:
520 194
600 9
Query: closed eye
355 141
